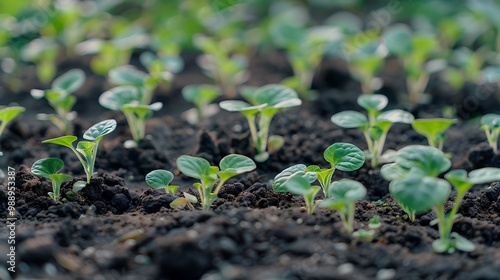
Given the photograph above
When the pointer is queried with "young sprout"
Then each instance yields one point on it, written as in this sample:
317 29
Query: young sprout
128 100
374 222
7 114
490 123
42 52
61 98
343 196
434 130
376 126
262 105
296 181
199 168
201 96
48 168
182 202
417 188
413 50
86 151
160 179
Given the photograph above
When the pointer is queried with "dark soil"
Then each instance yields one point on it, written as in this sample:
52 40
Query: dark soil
117 228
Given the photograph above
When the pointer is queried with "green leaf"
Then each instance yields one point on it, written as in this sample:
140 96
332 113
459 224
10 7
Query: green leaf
180 202
283 176
275 143
172 189
194 167
127 75
241 106
277 96
461 243
159 179
420 193
47 166
66 141
344 156
492 121
350 119
86 148
396 116
393 171
191 198
78 186
373 102
432 128
398 40
298 184
344 192
117 97
70 81
98 130
202 94
430 161
232 165
9 113
460 180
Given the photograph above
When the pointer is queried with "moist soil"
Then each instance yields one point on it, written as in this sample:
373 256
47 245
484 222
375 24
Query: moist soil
117 228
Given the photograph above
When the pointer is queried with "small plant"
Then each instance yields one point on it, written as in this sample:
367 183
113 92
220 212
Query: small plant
201 96
49 168
490 123
160 179
341 156
86 151
417 188
343 196
434 130
376 126
182 202
61 98
263 104
7 114
42 52
296 181
374 222
199 168
128 100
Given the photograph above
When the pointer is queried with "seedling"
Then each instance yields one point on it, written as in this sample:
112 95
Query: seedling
262 105
343 195
199 168
364 235
182 202
61 98
413 50
128 100
376 126
86 151
416 187
49 168
201 96
160 179
42 52
374 223
7 114
434 130
296 181
341 156
490 123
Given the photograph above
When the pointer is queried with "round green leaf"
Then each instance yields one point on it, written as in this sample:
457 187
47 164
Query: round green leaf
47 166
127 75
70 81
420 193
350 119
344 156
159 179
398 39
393 171
298 184
283 176
396 116
194 167
277 96
347 190
240 106
429 160
432 127
117 97
491 121
373 102
100 129
201 94
236 164
9 113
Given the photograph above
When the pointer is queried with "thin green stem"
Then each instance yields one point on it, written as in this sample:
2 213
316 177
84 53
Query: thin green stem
442 223
253 130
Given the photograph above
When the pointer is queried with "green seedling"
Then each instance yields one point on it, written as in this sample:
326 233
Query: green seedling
219 63
413 50
160 179
417 188
7 114
296 181
263 104
490 123
364 235
127 99
49 168
201 96
199 168
376 126
434 130
42 52
341 156
86 151
343 196
182 202
374 222
61 98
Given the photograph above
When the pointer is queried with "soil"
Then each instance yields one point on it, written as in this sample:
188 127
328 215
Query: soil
117 228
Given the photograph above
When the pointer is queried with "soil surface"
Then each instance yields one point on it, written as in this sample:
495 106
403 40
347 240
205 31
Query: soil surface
117 228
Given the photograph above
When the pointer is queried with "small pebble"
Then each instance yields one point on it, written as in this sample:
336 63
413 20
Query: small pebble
385 274
345 269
